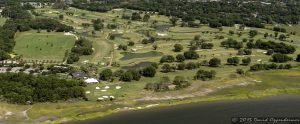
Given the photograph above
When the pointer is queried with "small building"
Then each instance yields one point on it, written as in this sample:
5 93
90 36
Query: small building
79 75
91 81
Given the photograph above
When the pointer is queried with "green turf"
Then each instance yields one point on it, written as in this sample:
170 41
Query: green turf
271 82
2 21
43 46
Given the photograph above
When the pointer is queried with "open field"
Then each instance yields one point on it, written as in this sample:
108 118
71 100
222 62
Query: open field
43 46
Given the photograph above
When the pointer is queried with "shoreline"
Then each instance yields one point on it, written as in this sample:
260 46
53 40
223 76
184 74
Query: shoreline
202 100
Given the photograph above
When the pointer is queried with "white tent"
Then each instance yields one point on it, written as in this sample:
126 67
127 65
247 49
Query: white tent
91 81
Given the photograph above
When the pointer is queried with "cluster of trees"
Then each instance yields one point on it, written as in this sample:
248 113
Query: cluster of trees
98 24
231 43
222 13
259 67
165 83
129 75
276 47
200 43
180 58
236 61
205 75
135 16
244 52
279 29
182 66
82 47
47 24
148 41
280 58
98 6
28 89
18 16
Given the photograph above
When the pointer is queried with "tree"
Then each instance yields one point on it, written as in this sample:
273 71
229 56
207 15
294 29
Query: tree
150 86
231 32
181 66
127 76
61 17
281 58
178 47
106 74
167 58
154 46
266 35
244 52
205 75
130 43
240 71
98 26
146 17
276 34
135 75
180 82
298 58
233 61
270 52
149 71
196 37
207 45
180 58
191 65
246 61
214 62
135 16
167 68
191 55
282 37
250 45
253 33
173 21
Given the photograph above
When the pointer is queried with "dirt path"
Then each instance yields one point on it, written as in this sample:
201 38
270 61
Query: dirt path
24 113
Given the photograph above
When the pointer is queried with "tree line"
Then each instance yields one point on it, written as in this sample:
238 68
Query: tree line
82 47
28 89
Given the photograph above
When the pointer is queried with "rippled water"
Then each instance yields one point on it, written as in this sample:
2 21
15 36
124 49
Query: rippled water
207 113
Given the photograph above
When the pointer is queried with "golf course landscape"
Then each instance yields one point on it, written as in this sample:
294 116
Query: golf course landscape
190 63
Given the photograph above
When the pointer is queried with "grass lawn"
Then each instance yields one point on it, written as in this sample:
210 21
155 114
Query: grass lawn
268 83
2 21
43 46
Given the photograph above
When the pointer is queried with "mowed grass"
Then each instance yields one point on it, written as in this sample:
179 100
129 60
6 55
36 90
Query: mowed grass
43 46
267 84
2 21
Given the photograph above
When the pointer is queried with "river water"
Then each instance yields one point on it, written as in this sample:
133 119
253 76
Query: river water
207 113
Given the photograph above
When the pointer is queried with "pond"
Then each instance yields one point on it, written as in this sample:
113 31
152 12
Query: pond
128 56
138 66
121 36
162 28
86 34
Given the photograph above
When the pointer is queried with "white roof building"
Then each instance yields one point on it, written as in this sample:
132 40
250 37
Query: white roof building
91 81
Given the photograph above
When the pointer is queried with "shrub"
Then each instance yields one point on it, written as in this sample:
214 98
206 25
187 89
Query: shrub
214 62
205 75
